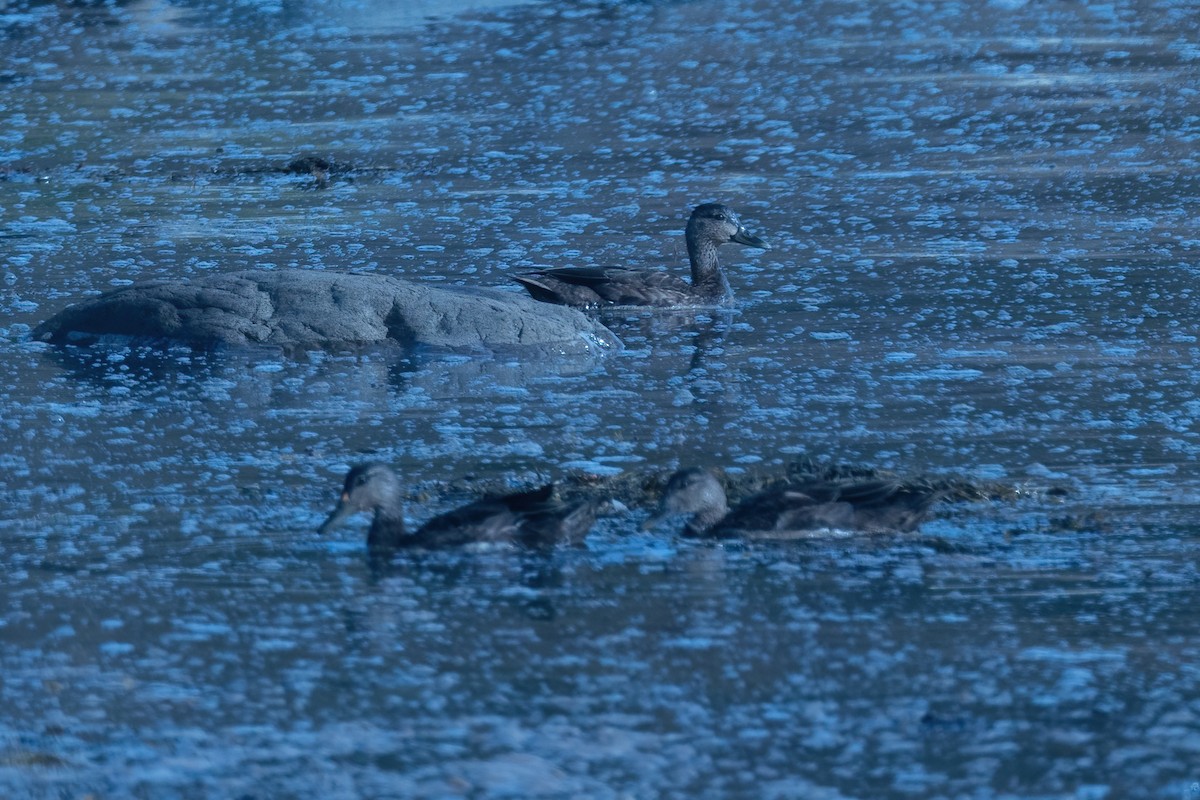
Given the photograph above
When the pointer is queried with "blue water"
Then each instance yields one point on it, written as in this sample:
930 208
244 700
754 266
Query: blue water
983 265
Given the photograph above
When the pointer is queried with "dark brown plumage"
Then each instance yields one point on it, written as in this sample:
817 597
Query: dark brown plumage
710 226
795 509
532 519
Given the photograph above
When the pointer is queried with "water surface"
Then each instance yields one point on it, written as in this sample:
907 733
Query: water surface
983 264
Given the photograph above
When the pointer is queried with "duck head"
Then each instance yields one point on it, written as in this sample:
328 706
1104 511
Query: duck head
695 492
370 488
716 223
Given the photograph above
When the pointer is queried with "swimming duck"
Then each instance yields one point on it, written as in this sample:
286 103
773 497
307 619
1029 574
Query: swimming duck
532 518
797 508
710 226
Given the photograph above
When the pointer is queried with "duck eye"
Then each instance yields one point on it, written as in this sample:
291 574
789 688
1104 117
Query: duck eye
719 216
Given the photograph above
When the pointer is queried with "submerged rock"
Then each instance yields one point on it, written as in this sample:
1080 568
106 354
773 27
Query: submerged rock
311 308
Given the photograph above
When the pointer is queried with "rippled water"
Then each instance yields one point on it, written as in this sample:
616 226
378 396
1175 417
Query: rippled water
983 264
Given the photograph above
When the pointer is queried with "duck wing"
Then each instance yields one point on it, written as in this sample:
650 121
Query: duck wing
558 523
549 289
873 505
906 507
544 521
532 518
487 520
883 504
769 510
604 286
588 276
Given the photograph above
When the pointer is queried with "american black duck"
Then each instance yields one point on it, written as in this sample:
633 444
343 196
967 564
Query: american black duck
533 518
710 226
800 507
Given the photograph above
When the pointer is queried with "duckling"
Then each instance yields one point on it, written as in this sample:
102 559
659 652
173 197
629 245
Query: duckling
797 508
531 518
710 226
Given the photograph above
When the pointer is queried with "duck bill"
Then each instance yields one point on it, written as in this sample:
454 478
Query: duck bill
743 236
340 514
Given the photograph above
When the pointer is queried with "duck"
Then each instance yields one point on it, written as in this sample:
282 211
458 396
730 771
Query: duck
710 226
531 518
798 508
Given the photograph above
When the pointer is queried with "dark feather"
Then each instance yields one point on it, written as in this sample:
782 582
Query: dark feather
799 506
710 226
532 518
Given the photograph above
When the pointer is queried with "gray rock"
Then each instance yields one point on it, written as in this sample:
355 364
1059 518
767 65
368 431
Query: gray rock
311 308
